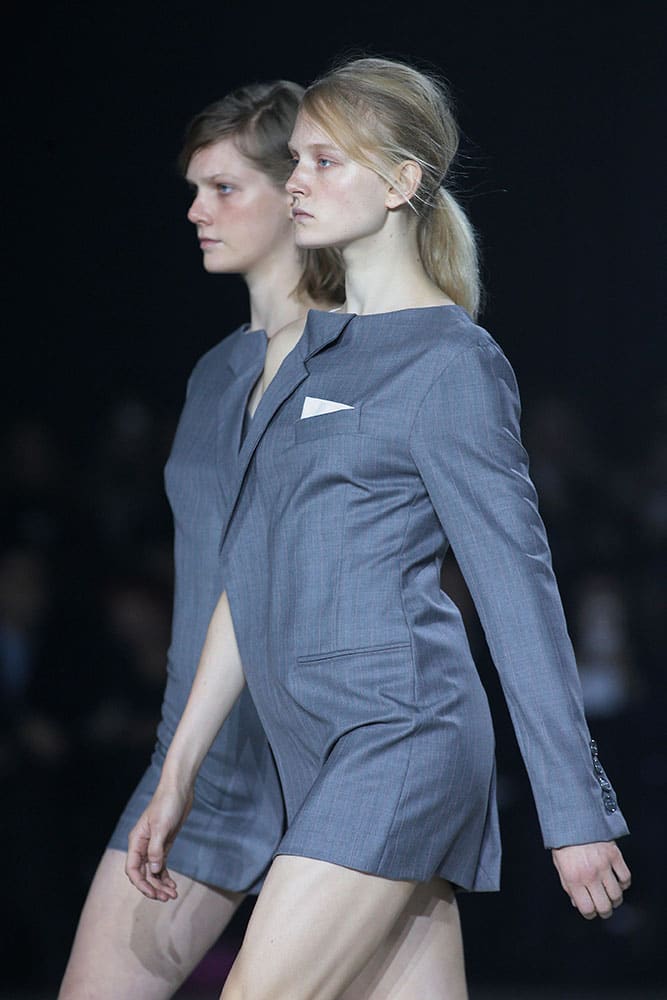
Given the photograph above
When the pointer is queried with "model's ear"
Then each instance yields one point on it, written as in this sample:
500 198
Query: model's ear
407 179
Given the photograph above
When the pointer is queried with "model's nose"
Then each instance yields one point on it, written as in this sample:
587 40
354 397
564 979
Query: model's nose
296 182
197 212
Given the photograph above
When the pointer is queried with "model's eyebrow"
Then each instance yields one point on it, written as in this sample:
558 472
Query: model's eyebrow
218 178
319 147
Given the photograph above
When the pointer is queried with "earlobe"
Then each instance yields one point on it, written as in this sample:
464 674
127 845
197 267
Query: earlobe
406 184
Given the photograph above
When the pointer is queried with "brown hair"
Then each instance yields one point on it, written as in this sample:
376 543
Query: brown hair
383 112
260 117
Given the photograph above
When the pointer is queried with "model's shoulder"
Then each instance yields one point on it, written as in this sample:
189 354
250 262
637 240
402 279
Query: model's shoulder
448 331
223 349
218 356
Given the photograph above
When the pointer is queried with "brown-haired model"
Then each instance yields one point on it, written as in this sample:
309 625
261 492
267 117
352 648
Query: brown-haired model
235 159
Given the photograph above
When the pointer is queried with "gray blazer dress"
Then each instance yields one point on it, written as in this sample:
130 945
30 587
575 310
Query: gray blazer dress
382 440
237 818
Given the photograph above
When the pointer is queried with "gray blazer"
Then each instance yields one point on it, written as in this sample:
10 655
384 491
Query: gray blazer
237 818
382 440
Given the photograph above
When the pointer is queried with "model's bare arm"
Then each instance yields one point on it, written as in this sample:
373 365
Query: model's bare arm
218 683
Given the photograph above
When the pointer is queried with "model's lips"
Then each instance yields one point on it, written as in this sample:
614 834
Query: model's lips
205 242
298 214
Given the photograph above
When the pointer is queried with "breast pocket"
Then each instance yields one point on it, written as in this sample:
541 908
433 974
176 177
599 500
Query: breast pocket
327 424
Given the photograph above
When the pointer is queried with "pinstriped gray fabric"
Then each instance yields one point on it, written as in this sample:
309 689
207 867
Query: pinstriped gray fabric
238 817
357 662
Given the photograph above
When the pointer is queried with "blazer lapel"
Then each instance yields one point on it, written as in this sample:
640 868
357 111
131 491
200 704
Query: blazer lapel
322 328
246 360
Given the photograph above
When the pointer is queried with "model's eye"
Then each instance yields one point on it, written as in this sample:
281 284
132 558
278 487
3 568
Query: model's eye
323 161
223 188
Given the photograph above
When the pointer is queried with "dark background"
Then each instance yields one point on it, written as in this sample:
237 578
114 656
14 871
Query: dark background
561 169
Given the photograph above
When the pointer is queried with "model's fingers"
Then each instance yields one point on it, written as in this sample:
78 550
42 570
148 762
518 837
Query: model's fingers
166 880
162 882
156 874
613 888
135 873
581 898
158 886
594 876
614 878
135 864
155 855
622 871
601 900
162 885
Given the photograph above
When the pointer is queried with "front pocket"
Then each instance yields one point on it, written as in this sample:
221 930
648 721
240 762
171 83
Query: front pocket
326 424
364 650
350 689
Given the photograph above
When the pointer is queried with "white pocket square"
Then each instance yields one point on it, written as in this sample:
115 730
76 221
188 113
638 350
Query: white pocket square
314 407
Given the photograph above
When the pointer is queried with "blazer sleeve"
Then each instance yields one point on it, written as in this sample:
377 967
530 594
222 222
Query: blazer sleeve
466 443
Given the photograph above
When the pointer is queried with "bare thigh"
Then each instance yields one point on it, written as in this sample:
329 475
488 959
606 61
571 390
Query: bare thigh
130 946
313 929
422 956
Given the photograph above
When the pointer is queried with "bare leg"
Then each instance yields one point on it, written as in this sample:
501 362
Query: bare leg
423 954
317 925
130 946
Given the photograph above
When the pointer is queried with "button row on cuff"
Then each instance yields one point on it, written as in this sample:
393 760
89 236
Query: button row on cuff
608 797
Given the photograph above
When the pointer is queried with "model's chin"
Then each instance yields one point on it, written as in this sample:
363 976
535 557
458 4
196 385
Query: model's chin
308 241
213 265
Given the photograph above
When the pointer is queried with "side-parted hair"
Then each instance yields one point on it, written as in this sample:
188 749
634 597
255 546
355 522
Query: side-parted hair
382 112
260 117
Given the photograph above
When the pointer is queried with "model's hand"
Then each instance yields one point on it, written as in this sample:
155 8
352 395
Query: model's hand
594 876
150 840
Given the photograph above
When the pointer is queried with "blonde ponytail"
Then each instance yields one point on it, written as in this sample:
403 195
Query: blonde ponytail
448 249
323 276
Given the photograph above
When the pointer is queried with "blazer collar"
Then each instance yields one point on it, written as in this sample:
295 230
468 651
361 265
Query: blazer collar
248 346
245 362
247 349
321 329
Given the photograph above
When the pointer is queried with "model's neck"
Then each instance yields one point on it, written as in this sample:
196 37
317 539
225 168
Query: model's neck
384 272
274 302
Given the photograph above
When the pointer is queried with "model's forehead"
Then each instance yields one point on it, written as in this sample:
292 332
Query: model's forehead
220 157
307 132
